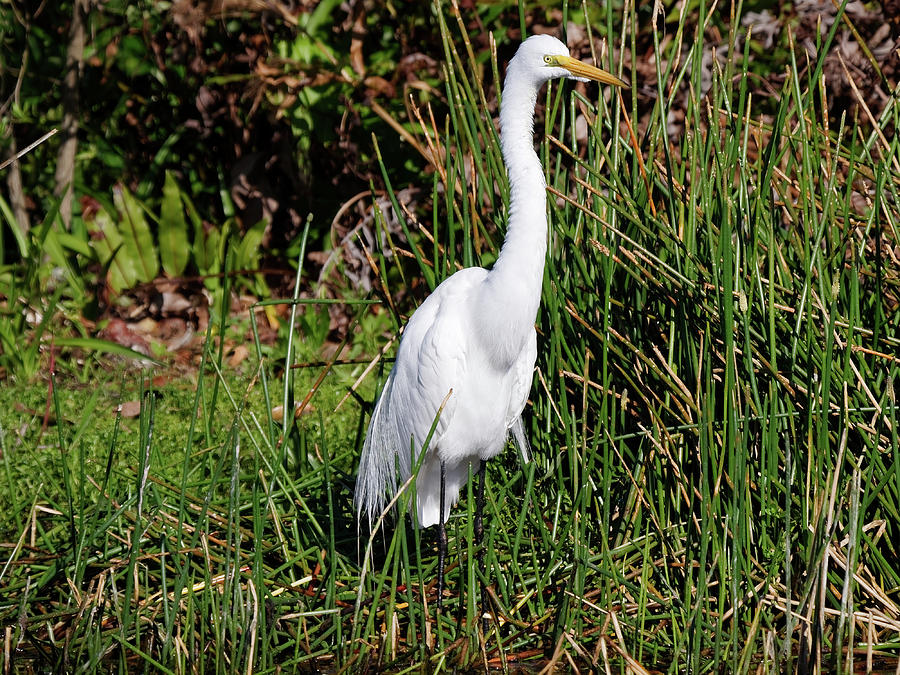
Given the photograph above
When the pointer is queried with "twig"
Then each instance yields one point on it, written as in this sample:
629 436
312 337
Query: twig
31 147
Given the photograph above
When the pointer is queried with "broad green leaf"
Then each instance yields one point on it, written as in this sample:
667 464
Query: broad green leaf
173 238
108 245
73 243
137 241
248 250
105 237
203 248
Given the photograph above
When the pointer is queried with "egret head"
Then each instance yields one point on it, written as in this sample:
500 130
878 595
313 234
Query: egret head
543 58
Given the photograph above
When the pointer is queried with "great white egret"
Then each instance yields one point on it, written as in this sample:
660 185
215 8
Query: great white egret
471 345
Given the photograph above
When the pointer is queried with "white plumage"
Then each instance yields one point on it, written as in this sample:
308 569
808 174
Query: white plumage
474 335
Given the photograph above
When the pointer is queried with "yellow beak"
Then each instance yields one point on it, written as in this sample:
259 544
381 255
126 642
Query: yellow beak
581 69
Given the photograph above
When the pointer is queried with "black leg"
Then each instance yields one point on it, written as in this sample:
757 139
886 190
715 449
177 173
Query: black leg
478 528
442 545
479 516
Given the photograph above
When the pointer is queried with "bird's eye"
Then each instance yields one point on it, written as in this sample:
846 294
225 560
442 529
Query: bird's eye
548 59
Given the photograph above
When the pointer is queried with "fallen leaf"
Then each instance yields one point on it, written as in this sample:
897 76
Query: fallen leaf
238 356
129 409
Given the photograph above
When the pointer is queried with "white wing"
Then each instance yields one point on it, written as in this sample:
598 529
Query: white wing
430 362
524 375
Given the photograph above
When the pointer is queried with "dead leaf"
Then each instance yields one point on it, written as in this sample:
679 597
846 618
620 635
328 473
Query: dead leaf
119 332
379 86
238 356
129 409
357 62
278 411
174 303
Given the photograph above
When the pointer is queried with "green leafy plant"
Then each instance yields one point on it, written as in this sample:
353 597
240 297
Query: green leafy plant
174 251
124 243
31 296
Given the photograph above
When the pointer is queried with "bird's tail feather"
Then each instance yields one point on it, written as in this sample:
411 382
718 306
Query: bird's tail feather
382 462
377 479
521 440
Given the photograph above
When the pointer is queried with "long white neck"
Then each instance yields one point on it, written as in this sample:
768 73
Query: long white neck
511 292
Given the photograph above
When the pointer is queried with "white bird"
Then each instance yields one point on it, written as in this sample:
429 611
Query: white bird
472 345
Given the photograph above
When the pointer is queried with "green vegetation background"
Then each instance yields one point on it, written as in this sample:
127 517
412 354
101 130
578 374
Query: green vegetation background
717 473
